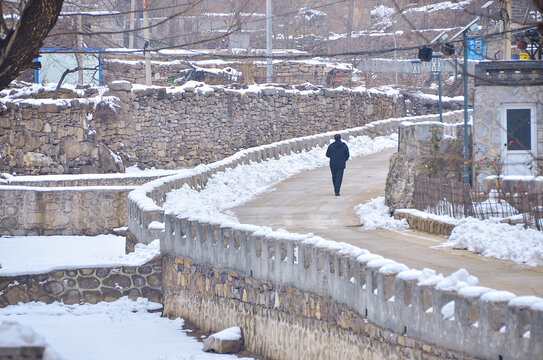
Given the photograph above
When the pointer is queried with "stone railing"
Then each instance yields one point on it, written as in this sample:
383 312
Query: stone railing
144 203
487 327
482 327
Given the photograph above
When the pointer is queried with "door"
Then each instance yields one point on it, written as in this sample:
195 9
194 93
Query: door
519 140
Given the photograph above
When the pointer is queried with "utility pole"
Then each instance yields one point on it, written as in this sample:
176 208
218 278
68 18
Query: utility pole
466 134
350 24
506 33
269 47
147 45
132 15
79 46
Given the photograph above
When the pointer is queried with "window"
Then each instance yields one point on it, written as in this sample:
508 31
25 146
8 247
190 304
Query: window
519 132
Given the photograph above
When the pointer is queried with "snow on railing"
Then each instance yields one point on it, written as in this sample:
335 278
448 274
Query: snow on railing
144 205
473 320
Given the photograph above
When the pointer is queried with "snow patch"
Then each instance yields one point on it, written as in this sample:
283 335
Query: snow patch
376 215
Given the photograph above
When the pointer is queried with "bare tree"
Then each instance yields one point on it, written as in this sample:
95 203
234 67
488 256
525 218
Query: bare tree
22 38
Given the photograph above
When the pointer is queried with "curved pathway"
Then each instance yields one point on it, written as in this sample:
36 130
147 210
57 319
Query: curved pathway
306 203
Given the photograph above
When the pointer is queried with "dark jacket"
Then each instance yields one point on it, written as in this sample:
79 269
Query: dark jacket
338 152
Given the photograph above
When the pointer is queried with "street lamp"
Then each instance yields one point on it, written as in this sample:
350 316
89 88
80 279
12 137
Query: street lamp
435 68
415 67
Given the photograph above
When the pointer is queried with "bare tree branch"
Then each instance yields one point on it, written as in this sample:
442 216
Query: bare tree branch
70 71
3 25
133 30
21 46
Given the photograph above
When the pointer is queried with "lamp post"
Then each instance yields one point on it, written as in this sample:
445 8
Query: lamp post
465 78
472 26
435 68
269 45
415 67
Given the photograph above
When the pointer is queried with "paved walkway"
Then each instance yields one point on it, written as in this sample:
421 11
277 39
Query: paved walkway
306 203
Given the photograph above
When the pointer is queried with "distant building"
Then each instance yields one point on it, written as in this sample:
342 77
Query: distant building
508 118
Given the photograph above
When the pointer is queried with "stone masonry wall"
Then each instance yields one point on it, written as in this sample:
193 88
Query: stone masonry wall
282 315
62 211
156 127
298 298
284 72
92 285
51 138
430 149
171 128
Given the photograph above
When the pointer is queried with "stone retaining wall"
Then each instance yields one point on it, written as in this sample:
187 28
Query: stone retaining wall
171 127
315 295
92 285
277 319
431 150
62 210
284 72
22 353
430 226
168 128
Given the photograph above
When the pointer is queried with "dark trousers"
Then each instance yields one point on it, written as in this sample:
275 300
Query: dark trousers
337 178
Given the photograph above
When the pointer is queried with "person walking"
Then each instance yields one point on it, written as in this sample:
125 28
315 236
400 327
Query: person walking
338 152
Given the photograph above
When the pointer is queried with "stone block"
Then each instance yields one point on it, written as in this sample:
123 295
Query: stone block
92 297
120 86
138 280
71 297
152 294
110 294
53 288
23 352
88 283
117 281
228 341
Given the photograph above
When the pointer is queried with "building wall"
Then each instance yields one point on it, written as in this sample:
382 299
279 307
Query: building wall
488 131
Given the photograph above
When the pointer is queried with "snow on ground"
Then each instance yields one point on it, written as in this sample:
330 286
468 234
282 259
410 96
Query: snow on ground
25 255
238 185
502 241
123 329
376 215
486 237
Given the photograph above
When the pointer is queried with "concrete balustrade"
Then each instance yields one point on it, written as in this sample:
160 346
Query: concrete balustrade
150 197
485 329
381 298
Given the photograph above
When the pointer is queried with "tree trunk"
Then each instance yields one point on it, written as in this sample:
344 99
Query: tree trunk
22 45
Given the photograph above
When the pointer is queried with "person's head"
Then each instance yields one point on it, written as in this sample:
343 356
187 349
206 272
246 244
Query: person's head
337 137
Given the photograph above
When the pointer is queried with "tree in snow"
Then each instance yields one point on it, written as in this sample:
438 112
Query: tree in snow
24 25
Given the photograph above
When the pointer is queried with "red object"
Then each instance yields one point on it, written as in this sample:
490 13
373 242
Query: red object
145 3
521 44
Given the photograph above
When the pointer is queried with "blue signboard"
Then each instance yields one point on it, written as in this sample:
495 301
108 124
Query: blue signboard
475 48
